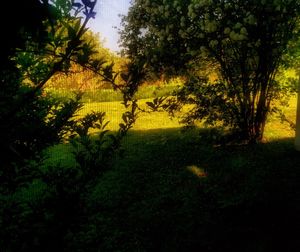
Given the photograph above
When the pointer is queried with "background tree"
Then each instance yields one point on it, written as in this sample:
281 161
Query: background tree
243 40
81 78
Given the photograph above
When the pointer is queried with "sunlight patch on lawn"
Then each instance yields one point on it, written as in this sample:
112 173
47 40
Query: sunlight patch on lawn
199 172
145 121
275 128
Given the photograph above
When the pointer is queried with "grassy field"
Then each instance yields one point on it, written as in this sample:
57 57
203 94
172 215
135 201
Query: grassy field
110 95
160 122
173 191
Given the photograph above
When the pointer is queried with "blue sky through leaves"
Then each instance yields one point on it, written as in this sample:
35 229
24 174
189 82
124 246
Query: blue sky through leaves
107 18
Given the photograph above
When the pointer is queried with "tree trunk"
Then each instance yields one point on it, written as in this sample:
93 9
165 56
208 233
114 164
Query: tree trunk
297 138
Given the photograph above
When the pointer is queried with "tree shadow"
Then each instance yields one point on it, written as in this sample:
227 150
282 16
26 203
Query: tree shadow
175 192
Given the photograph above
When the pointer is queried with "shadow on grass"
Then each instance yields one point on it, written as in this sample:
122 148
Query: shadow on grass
174 192
169 192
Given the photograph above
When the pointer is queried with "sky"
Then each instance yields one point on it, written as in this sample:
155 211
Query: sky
106 18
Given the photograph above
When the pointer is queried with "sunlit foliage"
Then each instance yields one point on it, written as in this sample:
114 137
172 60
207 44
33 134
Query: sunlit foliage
243 41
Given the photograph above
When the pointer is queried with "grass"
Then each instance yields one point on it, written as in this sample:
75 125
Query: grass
109 95
157 197
275 129
173 191
145 121
160 120
114 111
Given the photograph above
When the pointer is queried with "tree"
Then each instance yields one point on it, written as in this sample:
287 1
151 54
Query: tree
243 40
31 121
45 44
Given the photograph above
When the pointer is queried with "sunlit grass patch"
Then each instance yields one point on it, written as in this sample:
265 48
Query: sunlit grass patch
275 128
199 172
114 111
